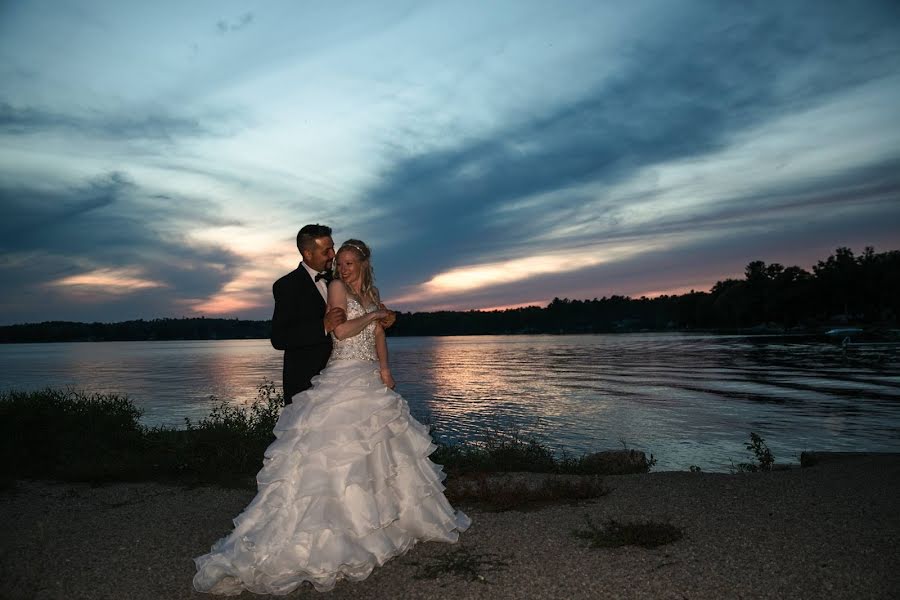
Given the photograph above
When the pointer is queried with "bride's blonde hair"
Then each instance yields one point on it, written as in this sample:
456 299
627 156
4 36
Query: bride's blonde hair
364 254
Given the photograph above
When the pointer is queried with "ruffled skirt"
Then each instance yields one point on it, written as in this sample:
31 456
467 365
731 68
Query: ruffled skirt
346 485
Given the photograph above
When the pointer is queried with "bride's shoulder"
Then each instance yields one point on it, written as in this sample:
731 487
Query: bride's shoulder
337 293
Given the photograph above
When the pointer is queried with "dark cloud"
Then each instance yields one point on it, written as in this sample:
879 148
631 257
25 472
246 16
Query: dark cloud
107 223
159 125
698 263
723 251
686 89
109 214
224 26
27 297
872 188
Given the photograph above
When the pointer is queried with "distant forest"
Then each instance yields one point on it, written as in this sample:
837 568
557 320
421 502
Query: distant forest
842 289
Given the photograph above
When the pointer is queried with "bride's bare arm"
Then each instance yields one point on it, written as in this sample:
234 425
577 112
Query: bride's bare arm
382 351
337 296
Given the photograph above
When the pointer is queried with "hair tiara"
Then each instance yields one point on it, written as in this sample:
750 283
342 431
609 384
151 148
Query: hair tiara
357 248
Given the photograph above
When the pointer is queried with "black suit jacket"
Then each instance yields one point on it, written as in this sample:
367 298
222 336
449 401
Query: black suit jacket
297 329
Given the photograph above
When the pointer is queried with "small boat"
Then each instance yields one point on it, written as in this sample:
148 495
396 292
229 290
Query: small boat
843 331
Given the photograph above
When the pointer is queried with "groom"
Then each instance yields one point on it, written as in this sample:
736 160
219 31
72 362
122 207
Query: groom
302 321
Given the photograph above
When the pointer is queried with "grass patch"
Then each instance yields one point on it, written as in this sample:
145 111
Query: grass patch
646 534
498 493
507 452
460 562
498 453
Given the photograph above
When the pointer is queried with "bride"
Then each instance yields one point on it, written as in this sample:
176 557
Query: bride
347 484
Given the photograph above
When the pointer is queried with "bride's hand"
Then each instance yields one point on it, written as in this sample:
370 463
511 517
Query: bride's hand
387 378
334 317
389 319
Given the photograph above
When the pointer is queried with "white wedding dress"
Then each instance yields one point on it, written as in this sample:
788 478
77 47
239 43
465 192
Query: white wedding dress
346 485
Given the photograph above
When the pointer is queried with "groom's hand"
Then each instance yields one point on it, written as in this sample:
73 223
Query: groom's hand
334 317
389 319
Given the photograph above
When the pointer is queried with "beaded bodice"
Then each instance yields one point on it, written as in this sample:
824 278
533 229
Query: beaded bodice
362 345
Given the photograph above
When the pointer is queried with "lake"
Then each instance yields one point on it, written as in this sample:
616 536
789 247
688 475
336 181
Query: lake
689 399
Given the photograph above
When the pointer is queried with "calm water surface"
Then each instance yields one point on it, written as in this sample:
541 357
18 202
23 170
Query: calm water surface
688 399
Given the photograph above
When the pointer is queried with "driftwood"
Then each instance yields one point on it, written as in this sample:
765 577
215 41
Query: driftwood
617 462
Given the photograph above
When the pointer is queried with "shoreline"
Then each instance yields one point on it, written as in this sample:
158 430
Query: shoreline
825 531
819 331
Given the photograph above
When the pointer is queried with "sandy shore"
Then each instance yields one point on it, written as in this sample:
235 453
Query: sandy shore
828 531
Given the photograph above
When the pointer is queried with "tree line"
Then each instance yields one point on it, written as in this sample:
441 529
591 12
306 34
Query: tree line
199 328
846 288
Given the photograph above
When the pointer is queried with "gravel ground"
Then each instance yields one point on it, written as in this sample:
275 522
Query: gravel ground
828 531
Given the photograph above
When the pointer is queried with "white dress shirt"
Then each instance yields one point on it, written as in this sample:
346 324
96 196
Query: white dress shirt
321 284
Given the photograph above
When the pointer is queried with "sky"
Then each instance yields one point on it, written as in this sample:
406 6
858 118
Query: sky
158 158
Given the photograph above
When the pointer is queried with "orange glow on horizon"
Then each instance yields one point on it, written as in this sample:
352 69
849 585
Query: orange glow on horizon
478 276
457 281
224 305
110 281
249 290
541 304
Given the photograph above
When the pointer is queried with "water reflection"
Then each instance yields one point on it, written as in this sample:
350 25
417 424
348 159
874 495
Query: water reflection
167 380
689 399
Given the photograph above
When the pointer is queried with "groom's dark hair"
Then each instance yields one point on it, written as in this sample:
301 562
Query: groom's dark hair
306 237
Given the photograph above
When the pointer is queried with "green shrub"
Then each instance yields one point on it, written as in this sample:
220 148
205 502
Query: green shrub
765 460
74 436
228 445
68 435
498 452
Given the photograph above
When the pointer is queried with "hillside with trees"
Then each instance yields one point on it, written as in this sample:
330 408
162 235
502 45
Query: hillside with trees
155 329
842 289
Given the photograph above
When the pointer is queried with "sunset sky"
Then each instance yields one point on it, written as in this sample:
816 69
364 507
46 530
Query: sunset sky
158 158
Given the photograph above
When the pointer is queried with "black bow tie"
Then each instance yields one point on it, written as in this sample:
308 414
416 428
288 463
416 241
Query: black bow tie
326 275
